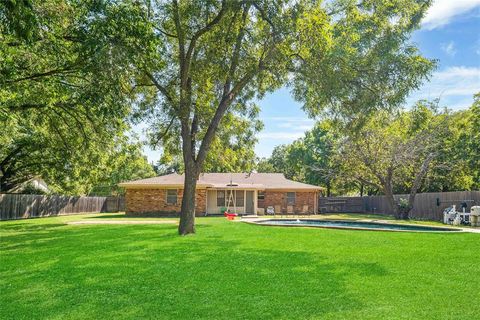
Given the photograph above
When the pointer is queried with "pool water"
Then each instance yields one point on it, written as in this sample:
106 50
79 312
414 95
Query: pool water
342 224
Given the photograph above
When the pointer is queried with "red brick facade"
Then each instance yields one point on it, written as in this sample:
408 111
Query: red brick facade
154 202
279 198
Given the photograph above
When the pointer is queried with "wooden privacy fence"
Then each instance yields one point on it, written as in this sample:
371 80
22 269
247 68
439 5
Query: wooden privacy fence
427 206
23 206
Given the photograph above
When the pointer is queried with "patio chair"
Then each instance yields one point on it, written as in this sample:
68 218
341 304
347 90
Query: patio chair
278 210
305 210
290 210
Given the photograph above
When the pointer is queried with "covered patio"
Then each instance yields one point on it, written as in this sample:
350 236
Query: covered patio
236 198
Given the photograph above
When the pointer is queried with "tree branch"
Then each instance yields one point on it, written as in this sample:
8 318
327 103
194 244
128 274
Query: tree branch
222 108
236 52
23 107
41 74
201 32
161 136
160 88
264 15
419 177
181 39
164 32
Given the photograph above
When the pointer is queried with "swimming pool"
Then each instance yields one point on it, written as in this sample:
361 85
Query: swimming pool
354 225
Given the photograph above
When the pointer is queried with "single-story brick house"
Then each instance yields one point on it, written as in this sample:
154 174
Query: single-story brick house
244 193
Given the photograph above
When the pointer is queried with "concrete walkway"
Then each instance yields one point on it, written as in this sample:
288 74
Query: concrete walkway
123 222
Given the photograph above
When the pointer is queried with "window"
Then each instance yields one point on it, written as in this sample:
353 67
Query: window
261 195
171 196
290 198
220 198
239 198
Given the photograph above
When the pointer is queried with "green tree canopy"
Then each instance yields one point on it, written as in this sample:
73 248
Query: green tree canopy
65 91
232 149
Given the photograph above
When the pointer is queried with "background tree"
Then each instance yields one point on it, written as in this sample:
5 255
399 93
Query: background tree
315 154
264 165
472 139
126 162
317 157
279 160
65 90
392 151
310 159
460 150
64 159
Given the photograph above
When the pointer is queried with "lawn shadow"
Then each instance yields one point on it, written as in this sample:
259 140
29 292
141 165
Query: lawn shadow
23 227
111 216
101 270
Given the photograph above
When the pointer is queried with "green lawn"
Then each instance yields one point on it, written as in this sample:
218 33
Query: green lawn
231 270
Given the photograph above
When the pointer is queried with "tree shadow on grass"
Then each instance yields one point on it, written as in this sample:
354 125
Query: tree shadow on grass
23 227
124 216
150 272
112 216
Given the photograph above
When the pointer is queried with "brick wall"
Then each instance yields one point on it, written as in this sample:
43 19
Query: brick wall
200 202
279 198
154 202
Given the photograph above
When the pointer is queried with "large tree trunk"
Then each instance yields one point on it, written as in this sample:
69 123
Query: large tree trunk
393 205
388 191
187 215
417 184
6 181
3 184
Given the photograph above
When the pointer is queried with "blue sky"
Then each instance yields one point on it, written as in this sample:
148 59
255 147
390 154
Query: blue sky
450 33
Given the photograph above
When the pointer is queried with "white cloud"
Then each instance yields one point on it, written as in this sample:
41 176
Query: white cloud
455 86
294 123
289 119
456 81
288 127
281 135
449 48
461 104
460 71
443 11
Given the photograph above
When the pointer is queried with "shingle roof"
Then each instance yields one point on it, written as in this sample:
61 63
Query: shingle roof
223 180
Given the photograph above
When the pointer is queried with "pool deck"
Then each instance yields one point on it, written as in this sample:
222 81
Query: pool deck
255 219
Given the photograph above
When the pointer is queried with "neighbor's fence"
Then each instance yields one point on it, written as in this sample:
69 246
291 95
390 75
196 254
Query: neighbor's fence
23 206
428 206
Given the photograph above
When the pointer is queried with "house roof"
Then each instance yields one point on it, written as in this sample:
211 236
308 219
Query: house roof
258 181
